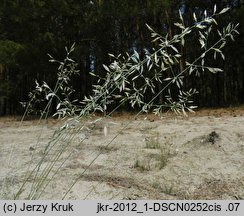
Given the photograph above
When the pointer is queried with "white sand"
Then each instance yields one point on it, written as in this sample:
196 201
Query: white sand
199 157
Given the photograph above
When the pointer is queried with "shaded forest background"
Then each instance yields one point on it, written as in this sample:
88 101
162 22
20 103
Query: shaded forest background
32 28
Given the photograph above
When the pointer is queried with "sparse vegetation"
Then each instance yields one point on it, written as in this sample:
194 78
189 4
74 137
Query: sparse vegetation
152 142
158 159
183 171
160 187
163 158
106 149
142 165
167 190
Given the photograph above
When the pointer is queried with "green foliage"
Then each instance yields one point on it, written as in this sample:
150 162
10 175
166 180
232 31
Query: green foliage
9 62
8 52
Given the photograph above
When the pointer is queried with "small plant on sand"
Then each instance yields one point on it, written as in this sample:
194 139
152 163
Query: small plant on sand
142 165
163 158
128 78
167 190
163 188
166 152
152 142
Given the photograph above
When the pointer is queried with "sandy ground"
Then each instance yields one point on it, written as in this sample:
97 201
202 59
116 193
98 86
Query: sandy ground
173 157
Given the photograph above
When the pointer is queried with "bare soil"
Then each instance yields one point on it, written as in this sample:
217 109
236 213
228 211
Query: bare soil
148 157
